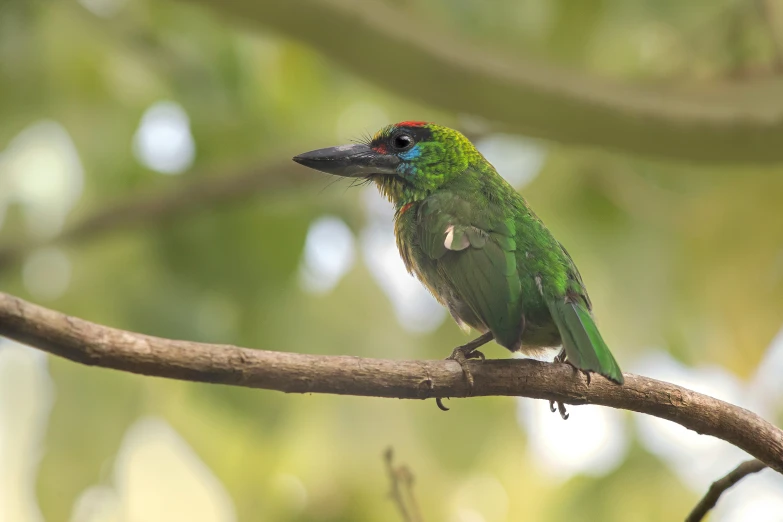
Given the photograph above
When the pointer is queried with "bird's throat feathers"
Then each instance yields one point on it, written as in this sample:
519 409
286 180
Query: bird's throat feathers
399 191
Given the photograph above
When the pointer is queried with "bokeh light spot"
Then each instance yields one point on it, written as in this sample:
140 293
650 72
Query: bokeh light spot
42 171
329 254
160 478
47 273
97 504
517 159
766 387
594 441
480 497
697 459
163 141
757 498
103 8
26 398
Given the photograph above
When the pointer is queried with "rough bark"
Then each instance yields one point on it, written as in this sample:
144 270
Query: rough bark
96 345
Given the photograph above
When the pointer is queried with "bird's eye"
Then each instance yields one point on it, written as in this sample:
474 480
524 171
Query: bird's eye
402 141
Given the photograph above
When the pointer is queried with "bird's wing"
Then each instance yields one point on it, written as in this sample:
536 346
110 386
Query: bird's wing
476 254
575 284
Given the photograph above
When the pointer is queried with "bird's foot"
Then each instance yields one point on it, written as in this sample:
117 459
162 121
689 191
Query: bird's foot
560 407
561 358
586 373
462 354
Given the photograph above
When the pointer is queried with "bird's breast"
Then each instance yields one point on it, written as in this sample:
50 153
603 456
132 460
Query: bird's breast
416 261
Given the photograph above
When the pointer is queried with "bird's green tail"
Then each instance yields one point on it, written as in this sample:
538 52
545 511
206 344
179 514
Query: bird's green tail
583 344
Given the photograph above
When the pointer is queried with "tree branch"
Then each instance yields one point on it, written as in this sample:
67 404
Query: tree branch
186 197
717 123
97 345
720 486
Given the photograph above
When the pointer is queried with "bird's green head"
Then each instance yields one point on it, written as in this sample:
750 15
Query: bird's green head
408 160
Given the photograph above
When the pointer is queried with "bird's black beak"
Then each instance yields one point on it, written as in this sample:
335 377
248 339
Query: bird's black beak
351 161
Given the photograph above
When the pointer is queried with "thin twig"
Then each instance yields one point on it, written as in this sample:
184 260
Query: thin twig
408 479
395 493
404 499
720 486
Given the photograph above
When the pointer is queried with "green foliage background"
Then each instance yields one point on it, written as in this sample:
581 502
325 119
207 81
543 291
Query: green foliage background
687 258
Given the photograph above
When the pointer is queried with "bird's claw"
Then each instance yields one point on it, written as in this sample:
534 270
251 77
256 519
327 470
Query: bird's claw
461 357
561 358
560 408
586 373
462 354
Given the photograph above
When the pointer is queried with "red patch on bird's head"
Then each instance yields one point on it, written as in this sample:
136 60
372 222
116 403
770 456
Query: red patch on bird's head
411 124
380 149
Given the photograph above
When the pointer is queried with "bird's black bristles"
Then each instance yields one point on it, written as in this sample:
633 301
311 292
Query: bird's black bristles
352 182
360 182
331 182
364 139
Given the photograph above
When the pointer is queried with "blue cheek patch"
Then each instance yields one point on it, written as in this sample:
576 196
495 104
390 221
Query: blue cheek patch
406 169
409 169
412 154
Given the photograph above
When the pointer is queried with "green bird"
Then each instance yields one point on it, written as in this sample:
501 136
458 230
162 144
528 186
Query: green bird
474 242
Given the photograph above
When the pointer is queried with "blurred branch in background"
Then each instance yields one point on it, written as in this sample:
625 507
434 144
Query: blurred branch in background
97 345
719 487
712 123
766 12
402 494
198 193
187 197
